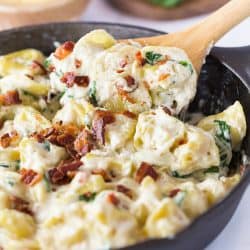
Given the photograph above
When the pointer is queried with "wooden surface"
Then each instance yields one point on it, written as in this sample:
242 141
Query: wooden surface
17 17
188 8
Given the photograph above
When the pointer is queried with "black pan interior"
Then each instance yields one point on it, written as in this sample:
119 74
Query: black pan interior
218 88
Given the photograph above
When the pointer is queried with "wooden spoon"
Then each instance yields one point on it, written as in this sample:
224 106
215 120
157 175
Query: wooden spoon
200 38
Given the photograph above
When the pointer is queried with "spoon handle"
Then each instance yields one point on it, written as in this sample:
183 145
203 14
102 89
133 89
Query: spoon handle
216 25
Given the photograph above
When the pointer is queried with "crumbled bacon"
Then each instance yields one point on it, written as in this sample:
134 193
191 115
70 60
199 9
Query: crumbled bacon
10 98
139 58
37 65
20 205
101 119
123 63
163 60
144 170
30 77
125 190
125 95
8 138
30 177
84 142
69 78
103 173
163 77
5 140
78 63
64 50
62 174
129 114
113 199
60 135
82 81
166 110
174 192
130 80
146 85
119 71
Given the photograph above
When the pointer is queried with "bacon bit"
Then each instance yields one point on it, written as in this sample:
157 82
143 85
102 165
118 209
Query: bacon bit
62 174
125 95
174 192
164 60
10 98
166 110
82 81
69 79
35 64
30 177
113 199
64 50
7 139
101 119
146 85
20 205
29 76
119 71
60 135
145 170
139 58
124 190
84 143
123 63
129 114
130 80
103 173
163 77
78 63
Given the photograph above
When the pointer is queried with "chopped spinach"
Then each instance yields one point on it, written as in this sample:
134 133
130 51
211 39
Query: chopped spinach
2 165
47 183
92 94
152 58
88 197
46 145
212 170
26 93
47 63
177 175
17 165
61 94
187 64
223 141
11 183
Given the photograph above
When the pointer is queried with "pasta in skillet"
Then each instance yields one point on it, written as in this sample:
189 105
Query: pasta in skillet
92 152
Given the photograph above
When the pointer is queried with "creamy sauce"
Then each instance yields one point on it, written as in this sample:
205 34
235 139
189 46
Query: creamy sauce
92 155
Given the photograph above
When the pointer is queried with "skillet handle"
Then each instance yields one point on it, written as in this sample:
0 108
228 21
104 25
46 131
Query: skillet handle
237 59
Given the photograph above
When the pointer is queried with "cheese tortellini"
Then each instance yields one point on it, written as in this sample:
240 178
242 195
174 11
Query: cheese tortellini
93 154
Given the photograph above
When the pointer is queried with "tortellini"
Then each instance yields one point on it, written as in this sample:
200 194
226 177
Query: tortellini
234 116
21 62
93 154
178 146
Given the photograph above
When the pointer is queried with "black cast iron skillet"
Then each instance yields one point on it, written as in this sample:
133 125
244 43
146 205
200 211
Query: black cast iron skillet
224 78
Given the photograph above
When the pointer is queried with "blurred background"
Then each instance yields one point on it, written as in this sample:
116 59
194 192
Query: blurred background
164 15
